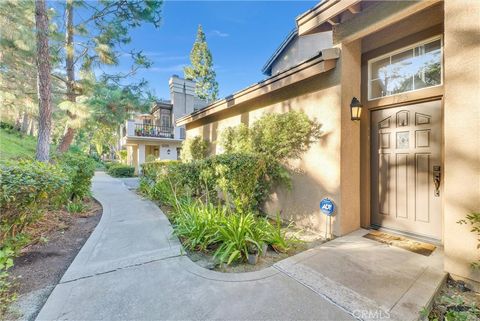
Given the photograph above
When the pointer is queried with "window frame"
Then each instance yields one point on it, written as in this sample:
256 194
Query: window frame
390 54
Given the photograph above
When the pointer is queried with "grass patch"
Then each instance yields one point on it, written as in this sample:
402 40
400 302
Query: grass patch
13 145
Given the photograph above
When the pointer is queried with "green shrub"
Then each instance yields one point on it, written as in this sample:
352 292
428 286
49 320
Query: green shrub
108 164
80 169
240 177
122 155
150 170
120 170
27 189
6 294
236 139
194 149
474 220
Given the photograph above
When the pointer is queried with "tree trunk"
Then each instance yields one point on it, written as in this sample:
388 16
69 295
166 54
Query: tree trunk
32 127
43 83
25 123
70 69
67 140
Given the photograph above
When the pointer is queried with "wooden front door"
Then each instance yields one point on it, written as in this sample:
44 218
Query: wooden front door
406 169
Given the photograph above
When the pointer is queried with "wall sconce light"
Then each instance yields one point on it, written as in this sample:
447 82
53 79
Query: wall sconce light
355 109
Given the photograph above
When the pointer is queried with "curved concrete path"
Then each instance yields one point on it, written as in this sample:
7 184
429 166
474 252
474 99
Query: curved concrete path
132 268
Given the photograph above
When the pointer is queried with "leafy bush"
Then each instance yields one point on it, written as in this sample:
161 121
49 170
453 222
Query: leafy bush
80 169
6 295
151 169
275 138
236 139
474 220
194 149
108 164
240 177
120 170
122 155
28 188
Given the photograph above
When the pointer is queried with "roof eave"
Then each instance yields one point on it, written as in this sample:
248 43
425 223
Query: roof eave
326 58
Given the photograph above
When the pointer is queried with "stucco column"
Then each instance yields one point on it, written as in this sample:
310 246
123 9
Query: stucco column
462 134
349 209
140 157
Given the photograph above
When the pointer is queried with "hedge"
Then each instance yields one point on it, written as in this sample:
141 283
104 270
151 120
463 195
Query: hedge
238 178
150 169
28 188
80 169
121 170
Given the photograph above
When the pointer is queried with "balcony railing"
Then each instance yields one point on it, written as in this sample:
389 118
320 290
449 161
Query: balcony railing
153 131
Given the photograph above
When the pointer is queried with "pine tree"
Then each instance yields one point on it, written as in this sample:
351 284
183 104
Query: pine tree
44 82
201 69
96 40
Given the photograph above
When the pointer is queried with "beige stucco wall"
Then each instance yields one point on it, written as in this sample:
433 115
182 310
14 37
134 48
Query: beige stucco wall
317 174
462 134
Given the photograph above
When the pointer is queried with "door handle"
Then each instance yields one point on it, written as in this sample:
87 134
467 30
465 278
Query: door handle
437 178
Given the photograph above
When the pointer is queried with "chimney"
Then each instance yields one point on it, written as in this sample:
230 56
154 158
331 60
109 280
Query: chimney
182 95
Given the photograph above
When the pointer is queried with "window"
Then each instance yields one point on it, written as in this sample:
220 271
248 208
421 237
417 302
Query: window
416 67
165 118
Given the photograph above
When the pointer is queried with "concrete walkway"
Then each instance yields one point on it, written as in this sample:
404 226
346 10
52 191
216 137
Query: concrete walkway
133 268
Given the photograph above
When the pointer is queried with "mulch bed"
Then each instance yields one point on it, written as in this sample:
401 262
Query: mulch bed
456 302
57 238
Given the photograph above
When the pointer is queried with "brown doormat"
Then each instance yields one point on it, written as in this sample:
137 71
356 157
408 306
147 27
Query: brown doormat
402 242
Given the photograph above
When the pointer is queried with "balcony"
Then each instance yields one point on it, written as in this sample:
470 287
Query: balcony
146 130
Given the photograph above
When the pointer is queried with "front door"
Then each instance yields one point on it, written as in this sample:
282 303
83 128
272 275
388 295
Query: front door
406 169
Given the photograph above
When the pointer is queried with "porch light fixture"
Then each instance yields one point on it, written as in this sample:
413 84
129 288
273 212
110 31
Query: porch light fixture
355 109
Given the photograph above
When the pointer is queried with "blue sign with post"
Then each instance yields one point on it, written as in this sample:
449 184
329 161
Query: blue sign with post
327 207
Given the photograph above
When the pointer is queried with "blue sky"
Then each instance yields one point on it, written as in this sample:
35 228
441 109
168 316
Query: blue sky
241 35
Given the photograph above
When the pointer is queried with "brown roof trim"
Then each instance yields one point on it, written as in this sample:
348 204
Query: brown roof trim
324 61
322 14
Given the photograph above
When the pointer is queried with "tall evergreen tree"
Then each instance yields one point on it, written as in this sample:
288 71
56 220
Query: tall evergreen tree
44 82
201 69
95 40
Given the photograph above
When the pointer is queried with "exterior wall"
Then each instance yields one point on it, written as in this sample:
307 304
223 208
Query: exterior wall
300 49
317 174
462 134
350 65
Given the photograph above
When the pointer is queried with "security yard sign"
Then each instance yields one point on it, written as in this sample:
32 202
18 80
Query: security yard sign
327 207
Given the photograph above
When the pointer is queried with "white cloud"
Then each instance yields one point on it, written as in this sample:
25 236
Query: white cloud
218 33
173 68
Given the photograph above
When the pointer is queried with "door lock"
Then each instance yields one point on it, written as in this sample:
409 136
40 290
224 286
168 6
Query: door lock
437 177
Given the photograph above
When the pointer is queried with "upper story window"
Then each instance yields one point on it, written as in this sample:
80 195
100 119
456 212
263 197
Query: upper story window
165 117
412 68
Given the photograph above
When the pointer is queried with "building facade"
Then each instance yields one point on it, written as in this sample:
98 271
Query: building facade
411 164
155 136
